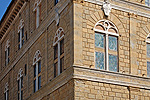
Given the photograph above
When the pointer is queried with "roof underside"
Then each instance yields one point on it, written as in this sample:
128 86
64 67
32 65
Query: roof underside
10 14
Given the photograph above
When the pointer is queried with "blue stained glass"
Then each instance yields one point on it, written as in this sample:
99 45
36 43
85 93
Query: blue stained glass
99 40
39 82
148 69
148 50
112 43
99 60
113 63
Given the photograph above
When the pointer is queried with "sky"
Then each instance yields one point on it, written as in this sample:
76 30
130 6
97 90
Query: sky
3 7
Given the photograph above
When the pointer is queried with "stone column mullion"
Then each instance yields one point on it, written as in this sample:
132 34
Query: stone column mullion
20 38
6 95
58 57
36 76
107 65
20 88
37 16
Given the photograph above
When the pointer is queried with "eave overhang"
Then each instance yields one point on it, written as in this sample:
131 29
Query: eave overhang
10 14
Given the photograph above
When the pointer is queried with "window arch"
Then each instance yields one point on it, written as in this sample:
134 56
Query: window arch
58 44
37 70
20 84
106 45
37 10
6 92
7 52
21 37
148 54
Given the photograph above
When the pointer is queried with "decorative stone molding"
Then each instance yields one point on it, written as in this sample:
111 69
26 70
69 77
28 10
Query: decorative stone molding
36 4
58 35
21 25
116 78
6 87
106 7
7 44
37 57
125 9
148 38
57 17
20 74
106 26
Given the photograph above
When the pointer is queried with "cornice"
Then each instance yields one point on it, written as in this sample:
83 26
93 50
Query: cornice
10 15
124 8
109 77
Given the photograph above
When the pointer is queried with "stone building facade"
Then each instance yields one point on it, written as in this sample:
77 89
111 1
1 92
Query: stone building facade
75 50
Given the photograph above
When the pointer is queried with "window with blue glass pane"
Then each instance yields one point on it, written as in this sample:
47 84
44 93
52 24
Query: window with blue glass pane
34 85
99 40
112 43
39 67
99 60
148 69
39 82
113 63
147 2
56 1
148 50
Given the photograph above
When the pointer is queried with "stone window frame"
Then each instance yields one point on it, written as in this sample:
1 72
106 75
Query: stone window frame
7 52
58 38
21 34
37 74
106 32
37 10
20 84
148 58
6 91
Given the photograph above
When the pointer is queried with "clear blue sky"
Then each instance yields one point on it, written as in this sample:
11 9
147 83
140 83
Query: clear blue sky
3 6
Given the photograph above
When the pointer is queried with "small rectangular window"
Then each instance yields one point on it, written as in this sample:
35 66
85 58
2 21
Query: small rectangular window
39 67
39 82
34 85
25 68
113 63
19 37
5 58
62 46
55 51
21 82
55 69
34 70
61 65
22 32
148 68
99 60
21 95
99 40
112 43
148 50
18 85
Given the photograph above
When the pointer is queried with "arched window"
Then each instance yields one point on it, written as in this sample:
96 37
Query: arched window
6 92
7 52
58 44
148 54
37 10
21 37
106 46
20 84
37 70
